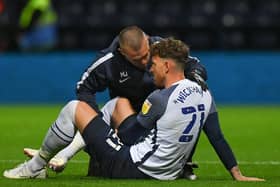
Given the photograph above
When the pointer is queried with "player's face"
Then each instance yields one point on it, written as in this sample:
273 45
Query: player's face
138 58
158 69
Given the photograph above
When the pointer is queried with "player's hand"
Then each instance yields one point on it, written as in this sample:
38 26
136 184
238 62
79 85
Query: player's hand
237 175
194 76
244 178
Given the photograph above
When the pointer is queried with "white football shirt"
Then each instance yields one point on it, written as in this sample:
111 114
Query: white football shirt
175 117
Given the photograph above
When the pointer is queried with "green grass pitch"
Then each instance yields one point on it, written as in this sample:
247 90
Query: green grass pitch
252 131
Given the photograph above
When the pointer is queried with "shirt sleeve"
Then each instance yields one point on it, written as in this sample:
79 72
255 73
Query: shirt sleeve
93 80
215 136
152 109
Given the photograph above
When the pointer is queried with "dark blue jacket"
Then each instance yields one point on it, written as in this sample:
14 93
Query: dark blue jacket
111 70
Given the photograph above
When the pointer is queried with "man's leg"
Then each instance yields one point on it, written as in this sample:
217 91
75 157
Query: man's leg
114 112
59 135
59 161
103 143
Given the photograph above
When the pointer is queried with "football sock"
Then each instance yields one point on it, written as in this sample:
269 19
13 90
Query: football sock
78 142
59 135
74 147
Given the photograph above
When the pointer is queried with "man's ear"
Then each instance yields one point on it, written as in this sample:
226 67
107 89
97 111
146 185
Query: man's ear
121 51
167 66
147 37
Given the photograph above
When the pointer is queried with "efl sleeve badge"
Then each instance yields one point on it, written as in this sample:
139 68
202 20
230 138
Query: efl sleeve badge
146 107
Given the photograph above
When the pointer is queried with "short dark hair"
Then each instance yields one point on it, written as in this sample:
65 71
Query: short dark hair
171 48
131 37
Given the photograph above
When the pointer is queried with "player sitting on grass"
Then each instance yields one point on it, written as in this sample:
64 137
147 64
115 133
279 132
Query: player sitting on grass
123 69
172 118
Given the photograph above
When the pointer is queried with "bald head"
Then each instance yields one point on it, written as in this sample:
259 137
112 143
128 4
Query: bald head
134 46
131 38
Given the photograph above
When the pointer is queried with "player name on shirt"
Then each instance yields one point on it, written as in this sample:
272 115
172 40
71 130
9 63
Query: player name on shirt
184 93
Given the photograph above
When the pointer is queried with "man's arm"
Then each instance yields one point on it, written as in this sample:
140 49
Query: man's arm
214 134
138 125
131 130
222 148
195 71
93 80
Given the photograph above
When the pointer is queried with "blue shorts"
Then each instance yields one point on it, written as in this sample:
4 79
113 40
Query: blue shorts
113 157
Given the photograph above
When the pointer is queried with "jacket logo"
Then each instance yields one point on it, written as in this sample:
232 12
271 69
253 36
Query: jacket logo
124 76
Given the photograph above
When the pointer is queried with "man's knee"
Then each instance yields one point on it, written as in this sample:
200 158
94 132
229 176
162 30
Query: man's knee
67 114
123 109
84 113
70 109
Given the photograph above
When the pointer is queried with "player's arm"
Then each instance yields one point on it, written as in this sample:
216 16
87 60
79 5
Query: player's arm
195 71
131 130
213 132
152 109
137 126
93 80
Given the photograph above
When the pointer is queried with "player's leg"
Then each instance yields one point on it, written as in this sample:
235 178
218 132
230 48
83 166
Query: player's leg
103 143
59 161
114 112
120 112
59 135
107 111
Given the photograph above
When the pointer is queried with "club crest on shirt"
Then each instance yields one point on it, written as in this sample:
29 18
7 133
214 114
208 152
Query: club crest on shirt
146 106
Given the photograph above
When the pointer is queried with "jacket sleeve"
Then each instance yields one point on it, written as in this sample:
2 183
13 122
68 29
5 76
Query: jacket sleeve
194 65
93 80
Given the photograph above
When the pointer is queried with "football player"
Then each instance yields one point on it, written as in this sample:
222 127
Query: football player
171 118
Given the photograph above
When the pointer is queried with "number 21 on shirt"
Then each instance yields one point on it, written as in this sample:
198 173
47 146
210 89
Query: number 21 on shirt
196 113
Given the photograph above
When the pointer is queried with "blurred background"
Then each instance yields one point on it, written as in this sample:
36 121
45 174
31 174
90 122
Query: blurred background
237 40
205 24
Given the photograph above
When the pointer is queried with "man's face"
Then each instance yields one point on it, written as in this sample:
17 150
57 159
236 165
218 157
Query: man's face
158 69
138 58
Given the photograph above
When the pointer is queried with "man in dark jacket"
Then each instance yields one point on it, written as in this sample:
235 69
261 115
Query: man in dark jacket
123 69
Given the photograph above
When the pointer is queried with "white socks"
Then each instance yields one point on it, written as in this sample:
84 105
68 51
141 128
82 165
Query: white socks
78 142
62 134
74 147
59 135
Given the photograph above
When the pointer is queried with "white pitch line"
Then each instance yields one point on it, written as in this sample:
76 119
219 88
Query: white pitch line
200 162
245 162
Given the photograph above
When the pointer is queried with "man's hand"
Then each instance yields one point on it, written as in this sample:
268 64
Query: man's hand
237 175
195 71
194 76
